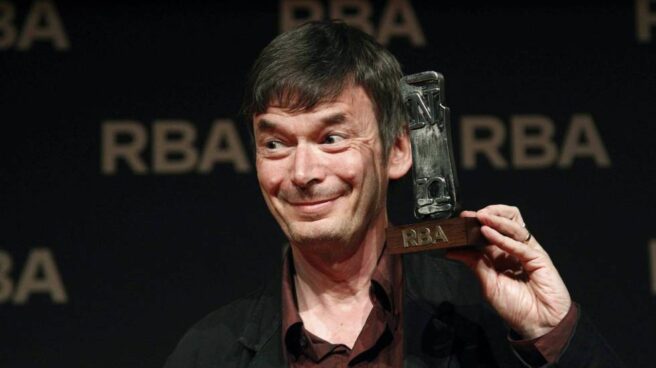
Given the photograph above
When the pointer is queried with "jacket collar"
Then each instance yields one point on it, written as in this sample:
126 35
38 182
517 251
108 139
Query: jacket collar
264 321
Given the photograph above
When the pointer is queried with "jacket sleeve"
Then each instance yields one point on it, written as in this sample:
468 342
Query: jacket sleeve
585 348
185 353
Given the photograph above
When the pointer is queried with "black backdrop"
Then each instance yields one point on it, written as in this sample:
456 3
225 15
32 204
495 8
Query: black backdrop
105 262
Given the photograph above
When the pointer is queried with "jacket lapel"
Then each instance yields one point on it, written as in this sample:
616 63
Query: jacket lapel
261 334
441 314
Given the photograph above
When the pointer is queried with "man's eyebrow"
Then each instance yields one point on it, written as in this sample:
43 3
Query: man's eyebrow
264 125
334 119
337 118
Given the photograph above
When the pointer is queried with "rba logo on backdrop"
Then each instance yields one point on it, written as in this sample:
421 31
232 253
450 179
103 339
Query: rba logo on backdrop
397 20
42 21
39 275
174 146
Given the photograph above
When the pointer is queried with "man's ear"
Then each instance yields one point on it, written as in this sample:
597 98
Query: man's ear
400 156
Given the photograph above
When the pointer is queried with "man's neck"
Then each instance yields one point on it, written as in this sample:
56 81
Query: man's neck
344 275
333 295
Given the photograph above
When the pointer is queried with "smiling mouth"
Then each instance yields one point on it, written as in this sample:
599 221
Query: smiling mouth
311 203
313 207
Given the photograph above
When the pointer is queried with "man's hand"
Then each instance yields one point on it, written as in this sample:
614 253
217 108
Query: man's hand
516 274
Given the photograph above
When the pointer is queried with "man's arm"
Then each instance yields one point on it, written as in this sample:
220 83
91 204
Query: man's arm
516 274
522 284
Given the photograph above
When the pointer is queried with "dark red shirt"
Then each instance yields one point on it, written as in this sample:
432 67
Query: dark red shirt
380 343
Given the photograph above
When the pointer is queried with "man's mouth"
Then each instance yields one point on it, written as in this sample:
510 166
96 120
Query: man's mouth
315 206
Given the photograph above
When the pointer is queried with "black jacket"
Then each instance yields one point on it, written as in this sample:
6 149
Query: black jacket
446 324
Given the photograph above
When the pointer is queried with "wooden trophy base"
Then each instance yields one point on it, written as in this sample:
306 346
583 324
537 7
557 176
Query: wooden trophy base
434 234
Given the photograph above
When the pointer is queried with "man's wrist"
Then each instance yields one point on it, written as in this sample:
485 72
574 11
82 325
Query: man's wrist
548 347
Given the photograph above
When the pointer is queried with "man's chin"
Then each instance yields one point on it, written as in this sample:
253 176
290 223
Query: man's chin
321 231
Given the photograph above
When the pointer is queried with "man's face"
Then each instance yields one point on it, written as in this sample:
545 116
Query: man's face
321 171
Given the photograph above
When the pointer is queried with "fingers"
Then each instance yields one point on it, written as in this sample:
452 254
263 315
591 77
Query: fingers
518 249
509 212
504 225
504 229
505 219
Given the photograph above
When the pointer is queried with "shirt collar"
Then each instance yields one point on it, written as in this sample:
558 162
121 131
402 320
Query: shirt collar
386 284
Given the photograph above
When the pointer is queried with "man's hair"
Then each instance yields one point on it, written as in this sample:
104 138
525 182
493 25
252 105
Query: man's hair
314 63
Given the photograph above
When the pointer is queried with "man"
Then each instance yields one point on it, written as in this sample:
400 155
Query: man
329 132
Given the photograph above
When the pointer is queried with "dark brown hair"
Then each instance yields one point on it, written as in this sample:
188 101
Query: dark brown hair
315 62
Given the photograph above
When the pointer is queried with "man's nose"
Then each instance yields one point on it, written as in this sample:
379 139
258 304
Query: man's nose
308 166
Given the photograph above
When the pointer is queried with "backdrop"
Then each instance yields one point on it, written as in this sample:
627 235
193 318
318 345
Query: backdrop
130 206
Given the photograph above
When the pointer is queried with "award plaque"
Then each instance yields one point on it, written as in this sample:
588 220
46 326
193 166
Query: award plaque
435 184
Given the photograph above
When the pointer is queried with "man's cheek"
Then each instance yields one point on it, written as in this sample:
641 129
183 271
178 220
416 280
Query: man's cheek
354 170
269 176
348 166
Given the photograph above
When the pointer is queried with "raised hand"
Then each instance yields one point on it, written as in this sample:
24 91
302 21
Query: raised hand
516 274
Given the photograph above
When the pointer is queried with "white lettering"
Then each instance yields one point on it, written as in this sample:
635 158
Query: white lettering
407 27
40 261
7 29
43 23
541 141
354 12
582 126
409 237
645 19
489 147
112 150
165 144
532 144
6 284
398 18
173 149
232 151
424 236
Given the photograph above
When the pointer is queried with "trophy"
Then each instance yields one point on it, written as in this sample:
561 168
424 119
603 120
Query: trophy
434 175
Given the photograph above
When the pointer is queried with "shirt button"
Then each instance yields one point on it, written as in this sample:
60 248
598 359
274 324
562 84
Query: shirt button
302 341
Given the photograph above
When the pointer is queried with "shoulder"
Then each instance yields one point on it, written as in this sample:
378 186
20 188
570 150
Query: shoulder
231 316
216 337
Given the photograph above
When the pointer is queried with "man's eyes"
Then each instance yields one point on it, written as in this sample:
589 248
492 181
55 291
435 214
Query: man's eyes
332 139
273 144
276 144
